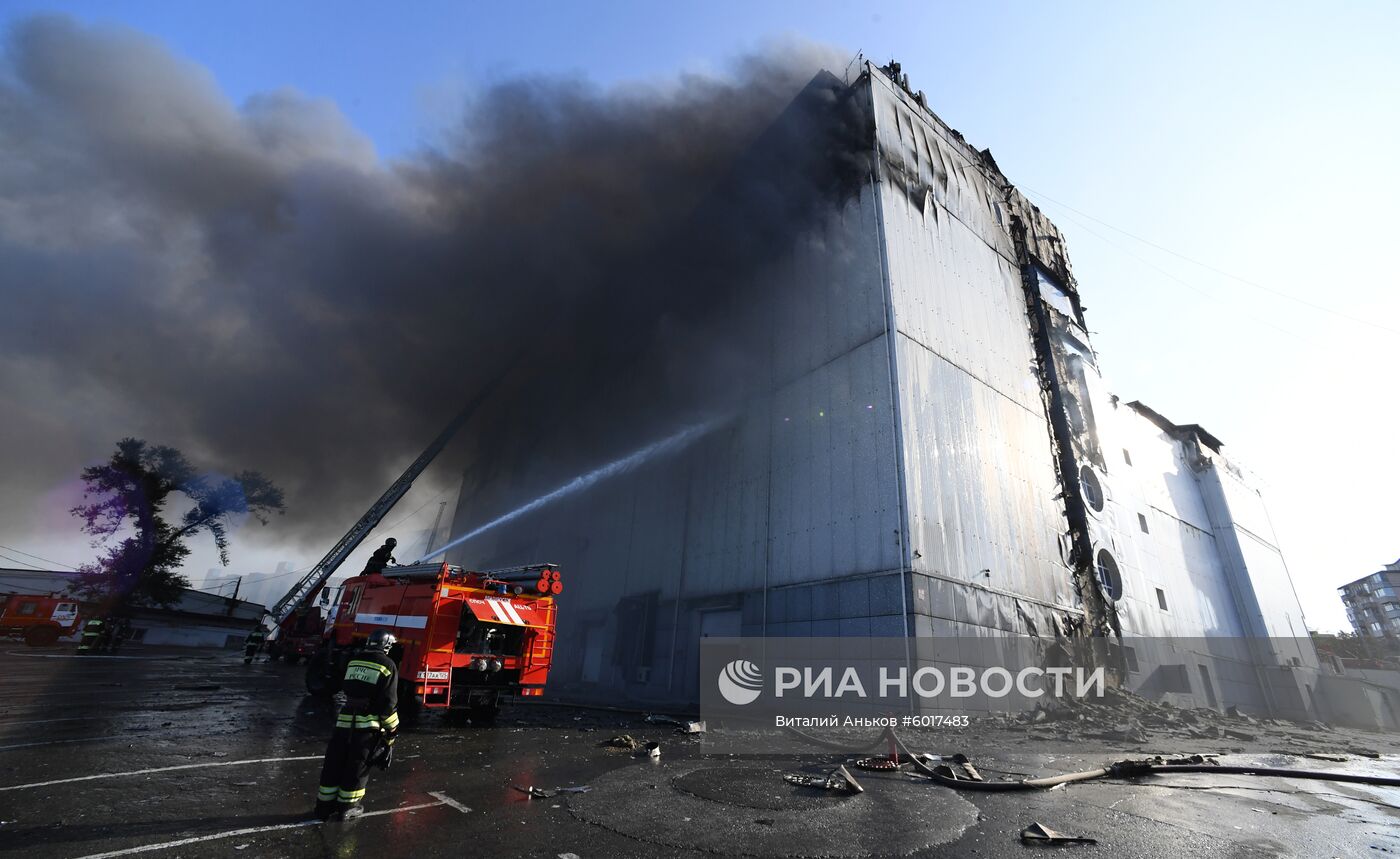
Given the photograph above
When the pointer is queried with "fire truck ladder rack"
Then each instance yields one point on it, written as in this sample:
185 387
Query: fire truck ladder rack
518 574
431 570
326 567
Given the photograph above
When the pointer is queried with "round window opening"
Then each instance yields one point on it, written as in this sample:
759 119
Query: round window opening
1109 577
1093 490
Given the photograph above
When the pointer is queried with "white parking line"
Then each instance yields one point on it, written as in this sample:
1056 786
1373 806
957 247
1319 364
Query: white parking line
56 742
447 800
46 721
161 770
88 656
257 829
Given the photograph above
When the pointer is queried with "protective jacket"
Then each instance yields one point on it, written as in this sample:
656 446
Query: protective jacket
370 717
382 557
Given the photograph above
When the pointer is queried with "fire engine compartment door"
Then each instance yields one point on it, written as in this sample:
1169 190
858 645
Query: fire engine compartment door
509 612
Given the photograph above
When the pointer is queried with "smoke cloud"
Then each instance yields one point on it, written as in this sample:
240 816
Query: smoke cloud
254 285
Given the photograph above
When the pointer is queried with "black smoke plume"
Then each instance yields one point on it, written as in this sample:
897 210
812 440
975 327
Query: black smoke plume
252 284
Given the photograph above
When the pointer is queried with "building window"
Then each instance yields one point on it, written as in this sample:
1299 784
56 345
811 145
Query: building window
1161 599
1142 523
1130 656
1093 491
1127 457
1109 578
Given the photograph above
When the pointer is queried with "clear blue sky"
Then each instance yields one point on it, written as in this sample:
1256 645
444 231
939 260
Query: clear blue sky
1257 138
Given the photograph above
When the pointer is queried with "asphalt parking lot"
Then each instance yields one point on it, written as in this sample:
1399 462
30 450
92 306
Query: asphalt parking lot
193 754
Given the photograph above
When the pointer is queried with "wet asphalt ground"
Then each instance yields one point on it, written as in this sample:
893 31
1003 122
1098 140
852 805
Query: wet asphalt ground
194 754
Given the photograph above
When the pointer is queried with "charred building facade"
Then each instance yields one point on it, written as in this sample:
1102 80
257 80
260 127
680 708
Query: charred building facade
921 446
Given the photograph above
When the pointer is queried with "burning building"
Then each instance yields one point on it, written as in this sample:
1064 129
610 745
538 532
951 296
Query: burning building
902 432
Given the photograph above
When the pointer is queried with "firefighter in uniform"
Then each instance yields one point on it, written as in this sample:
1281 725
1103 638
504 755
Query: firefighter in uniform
253 644
364 731
120 632
92 635
382 557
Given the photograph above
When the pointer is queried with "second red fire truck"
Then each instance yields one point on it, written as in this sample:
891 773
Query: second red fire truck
40 619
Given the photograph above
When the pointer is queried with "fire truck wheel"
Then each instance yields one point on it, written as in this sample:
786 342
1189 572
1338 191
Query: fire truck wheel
318 680
456 718
41 636
483 716
408 698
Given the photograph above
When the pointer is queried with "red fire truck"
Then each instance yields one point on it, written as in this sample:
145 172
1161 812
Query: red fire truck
39 619
301 635
466 639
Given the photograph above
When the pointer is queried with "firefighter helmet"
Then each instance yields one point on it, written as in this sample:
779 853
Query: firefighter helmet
391 542
380 641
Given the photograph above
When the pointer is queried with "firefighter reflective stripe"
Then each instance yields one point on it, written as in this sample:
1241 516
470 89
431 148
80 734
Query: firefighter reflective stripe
345 720
350 796
327 793
92 630
366 672
391 722
382 669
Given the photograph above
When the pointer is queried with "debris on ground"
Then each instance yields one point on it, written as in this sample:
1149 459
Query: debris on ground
958 768
1129 718
840 779
880 764
549 793
1323 756
623 742
653 750
683 726
1039 833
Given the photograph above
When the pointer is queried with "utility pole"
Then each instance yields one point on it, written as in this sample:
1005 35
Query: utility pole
432 535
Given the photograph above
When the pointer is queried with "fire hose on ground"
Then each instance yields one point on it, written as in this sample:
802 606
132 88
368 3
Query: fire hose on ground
1125 769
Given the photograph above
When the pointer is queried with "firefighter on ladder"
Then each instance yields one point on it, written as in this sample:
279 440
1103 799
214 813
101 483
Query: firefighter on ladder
364 731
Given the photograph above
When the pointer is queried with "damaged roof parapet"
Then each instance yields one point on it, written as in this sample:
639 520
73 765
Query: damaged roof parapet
1181 431
1043 239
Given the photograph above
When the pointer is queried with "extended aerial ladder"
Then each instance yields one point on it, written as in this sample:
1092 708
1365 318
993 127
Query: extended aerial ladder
306 588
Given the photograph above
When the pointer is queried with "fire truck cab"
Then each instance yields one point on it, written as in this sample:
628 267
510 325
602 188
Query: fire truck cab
466 640
39 619
301 635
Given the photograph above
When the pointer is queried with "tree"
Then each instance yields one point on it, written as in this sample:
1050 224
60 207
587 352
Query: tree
131 490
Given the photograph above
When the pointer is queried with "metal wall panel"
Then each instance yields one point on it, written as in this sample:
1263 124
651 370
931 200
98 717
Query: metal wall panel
980 482
979 474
